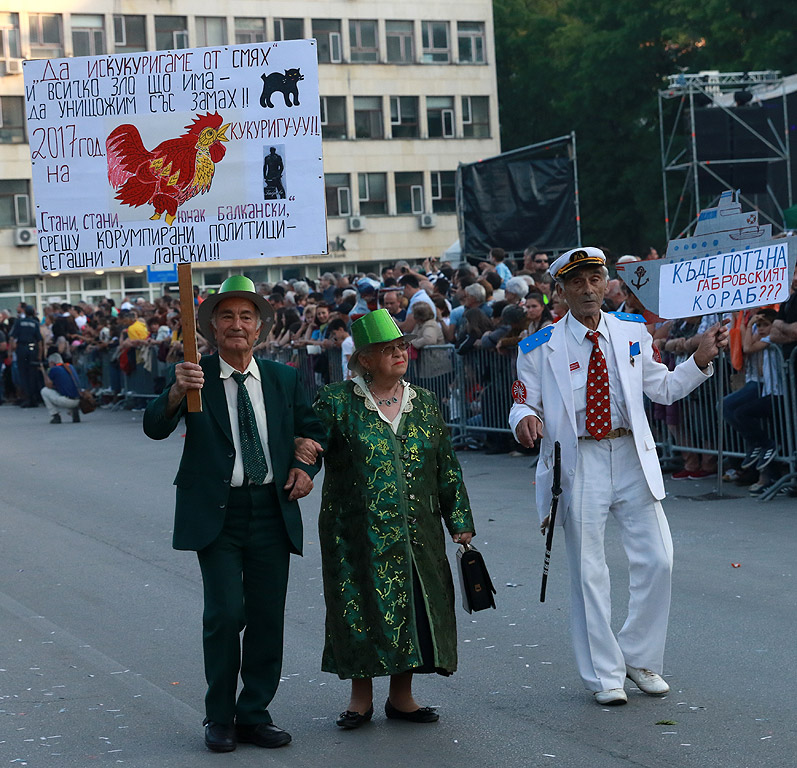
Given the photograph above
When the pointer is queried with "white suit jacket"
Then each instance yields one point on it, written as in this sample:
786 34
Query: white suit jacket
545 372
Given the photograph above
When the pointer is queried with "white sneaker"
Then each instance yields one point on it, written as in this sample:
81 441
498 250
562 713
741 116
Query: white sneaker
647 681
611 697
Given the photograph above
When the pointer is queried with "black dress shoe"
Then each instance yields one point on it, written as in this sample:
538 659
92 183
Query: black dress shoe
420 715
263 735
350 720
218 737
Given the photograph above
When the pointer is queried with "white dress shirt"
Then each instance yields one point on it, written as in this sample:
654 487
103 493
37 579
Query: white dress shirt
255 390
579 350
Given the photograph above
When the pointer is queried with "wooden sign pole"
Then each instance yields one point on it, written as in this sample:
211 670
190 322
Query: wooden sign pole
193 396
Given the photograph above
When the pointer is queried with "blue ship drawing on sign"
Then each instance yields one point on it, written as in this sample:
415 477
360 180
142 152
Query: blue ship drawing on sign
723 229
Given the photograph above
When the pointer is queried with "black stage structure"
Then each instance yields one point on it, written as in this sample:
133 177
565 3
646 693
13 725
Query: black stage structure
727 131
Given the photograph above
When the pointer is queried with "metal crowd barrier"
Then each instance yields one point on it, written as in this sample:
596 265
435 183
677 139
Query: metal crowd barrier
474 392
699 425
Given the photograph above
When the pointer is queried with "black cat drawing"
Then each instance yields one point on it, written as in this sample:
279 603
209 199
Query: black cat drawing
287 84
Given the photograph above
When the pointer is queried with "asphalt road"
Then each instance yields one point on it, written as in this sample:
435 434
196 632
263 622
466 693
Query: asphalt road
100 655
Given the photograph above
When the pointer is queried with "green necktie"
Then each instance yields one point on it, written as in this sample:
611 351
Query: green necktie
254 460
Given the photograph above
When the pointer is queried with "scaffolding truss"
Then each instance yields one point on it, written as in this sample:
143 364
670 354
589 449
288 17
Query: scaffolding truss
680 156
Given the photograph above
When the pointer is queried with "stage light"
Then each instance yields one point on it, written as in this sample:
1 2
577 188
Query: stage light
742 97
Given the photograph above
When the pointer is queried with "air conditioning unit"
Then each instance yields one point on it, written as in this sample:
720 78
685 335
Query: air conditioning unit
13 66
427 220
356 223
25 236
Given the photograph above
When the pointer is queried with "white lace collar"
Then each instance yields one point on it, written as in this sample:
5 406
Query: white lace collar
408 394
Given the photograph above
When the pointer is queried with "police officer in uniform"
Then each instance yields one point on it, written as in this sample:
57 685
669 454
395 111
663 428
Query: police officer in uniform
26 340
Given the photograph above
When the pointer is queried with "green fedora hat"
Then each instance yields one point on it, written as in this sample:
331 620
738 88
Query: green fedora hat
376 327
234 287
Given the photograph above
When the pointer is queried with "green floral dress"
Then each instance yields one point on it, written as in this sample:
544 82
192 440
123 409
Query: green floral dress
384 495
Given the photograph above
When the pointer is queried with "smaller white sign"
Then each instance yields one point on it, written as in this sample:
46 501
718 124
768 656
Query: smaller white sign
726 282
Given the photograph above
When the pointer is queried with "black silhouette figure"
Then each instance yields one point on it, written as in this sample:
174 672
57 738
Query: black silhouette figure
272 175
286 84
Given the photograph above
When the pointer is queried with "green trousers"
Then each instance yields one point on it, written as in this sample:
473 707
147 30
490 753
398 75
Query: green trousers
245 578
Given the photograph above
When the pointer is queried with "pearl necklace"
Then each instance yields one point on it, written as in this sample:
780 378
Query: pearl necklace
390 399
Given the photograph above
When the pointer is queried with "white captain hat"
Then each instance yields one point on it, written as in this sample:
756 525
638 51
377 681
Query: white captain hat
575 258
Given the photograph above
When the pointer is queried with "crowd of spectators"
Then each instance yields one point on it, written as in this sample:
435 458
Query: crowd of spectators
474 313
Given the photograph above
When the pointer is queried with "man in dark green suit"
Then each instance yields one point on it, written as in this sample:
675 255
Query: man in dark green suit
237 490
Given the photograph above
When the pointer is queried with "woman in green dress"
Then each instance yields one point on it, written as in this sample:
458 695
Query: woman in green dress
391 480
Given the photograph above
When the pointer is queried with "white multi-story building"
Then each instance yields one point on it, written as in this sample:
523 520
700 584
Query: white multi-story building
408 91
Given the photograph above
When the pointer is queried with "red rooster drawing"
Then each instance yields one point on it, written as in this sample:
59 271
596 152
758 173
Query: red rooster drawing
175 171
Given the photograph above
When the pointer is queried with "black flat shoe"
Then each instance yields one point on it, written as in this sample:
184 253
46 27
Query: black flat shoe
350 720
420 715
219 738
263 735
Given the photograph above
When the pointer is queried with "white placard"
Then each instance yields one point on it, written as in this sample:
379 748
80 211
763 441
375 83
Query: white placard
167 157
725 282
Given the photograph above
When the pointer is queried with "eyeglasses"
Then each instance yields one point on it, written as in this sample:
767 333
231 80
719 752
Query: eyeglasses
401 346
540 261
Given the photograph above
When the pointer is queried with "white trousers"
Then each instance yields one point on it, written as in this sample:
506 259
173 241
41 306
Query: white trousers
56 403
609 478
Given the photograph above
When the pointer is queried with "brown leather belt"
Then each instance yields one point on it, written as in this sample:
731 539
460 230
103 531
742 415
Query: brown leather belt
620 432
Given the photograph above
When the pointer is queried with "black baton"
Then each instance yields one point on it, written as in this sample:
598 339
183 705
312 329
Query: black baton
556 490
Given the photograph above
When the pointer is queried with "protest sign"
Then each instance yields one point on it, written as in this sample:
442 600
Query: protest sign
177 157
726 282
730 262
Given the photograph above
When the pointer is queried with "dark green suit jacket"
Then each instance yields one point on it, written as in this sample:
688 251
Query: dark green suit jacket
203 480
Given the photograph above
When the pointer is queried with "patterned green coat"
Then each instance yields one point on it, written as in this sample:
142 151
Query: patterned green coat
383 498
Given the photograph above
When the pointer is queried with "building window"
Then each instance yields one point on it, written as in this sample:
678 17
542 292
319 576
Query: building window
443 194
88 35
373 193
436 49
46 38
440 116
409 192
338 194
476 117
368 117
250 31
470 38
333 117
135 282
404 117
129 34
363 40
327 34
14 203
288 29
9 36
400 49
12 120
171 33
211 30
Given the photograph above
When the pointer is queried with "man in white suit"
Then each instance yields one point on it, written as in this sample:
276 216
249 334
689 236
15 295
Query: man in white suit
581 383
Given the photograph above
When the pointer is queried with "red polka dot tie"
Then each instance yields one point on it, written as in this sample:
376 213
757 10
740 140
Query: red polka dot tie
599 414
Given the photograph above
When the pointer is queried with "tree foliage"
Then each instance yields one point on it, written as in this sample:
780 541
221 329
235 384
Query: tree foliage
595 66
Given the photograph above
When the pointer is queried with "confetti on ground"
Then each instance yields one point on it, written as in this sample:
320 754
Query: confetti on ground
736 565
666 722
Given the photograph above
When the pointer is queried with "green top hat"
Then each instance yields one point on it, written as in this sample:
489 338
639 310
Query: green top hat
376 327
234 287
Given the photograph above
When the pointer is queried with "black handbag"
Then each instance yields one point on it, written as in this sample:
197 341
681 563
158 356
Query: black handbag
474 580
